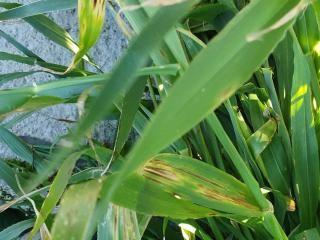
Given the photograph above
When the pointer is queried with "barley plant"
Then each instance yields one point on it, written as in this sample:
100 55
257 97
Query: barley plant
223 97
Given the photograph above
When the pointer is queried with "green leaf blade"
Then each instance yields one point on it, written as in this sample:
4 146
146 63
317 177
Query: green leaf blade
304 141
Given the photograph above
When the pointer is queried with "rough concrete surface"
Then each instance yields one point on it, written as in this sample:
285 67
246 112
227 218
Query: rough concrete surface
43 124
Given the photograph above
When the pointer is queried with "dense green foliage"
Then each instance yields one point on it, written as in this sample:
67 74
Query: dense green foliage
228 133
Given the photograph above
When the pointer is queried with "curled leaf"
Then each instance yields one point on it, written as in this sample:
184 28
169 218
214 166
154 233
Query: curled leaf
91 18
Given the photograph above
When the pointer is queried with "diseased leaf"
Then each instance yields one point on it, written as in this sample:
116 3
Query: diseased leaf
148 197
119 223
75 213
203 185
166 186
56 190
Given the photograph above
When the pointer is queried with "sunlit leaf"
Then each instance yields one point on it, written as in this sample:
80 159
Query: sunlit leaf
262 137
77 206
91 19
304 141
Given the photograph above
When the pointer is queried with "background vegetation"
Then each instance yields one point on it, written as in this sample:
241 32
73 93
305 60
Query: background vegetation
228 126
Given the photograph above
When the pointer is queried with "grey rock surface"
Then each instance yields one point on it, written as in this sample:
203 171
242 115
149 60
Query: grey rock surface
44 125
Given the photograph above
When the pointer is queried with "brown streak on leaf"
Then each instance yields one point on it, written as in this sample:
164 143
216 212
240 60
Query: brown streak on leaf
164 170
161 173
218 197
162 163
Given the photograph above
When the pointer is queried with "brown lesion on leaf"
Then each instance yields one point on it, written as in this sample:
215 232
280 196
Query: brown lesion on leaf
216 184
163 173
291 205
115 218
98 2
155 161
210 193
212 214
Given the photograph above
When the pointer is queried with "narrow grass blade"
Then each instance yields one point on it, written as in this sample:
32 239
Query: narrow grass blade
56 190
241 130
23 150
304 141
283 56
17 58
129 109
306 29
17 145
270 222
18 45
237 160
273 159
207 12
44 66
7 174
168 69
193 44
15 75
283 130
307 33
36 8
15 230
